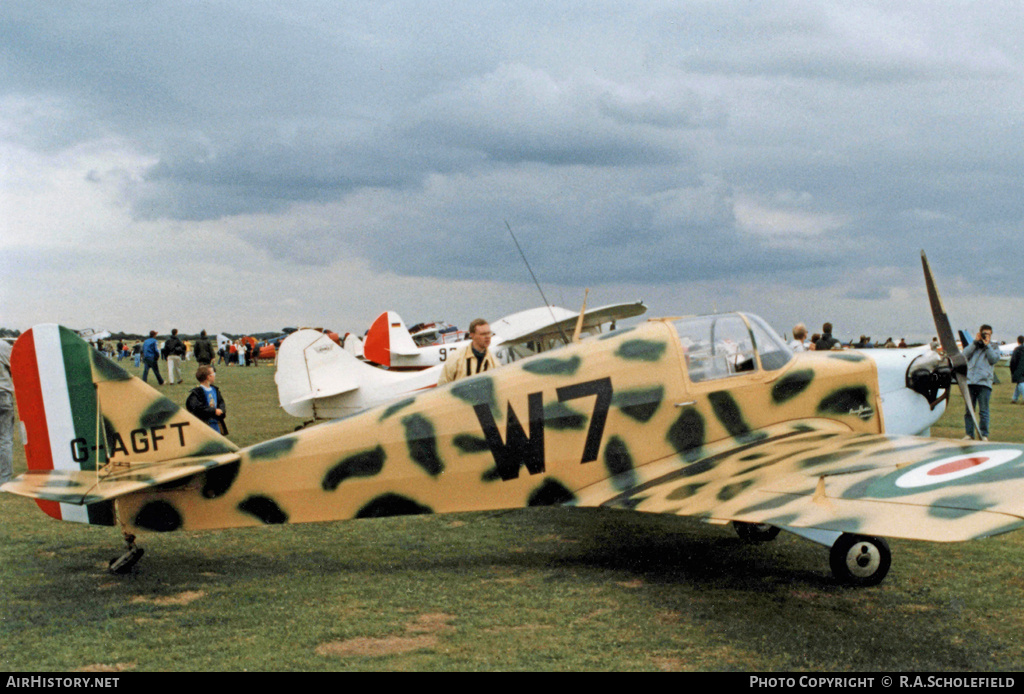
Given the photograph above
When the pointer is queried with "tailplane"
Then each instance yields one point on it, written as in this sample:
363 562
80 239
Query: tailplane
85 419
316 379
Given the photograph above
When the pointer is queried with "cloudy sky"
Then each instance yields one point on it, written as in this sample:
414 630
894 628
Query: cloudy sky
244 166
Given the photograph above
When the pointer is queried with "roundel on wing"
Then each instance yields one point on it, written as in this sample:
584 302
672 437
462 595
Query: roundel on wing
974 465
954 468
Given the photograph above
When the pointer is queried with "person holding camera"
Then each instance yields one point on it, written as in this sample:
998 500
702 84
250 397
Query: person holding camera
982 357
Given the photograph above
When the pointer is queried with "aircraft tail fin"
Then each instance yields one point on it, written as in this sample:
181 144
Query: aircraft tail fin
388 335
83 414
310 366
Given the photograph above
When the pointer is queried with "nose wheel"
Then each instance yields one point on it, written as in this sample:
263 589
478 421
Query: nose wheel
859 560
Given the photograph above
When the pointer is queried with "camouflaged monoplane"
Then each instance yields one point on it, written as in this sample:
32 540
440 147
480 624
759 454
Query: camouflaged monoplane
711 417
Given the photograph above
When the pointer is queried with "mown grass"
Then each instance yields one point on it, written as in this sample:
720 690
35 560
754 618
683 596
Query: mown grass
539 589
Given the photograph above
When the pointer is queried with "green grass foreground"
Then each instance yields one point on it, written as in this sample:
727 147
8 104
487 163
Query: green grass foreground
537 589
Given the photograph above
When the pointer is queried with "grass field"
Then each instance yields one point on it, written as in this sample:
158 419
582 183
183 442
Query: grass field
538 589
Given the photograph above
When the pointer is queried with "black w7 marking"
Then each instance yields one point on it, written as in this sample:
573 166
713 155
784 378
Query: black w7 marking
518 448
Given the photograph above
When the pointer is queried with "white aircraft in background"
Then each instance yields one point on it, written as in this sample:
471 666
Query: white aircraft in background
389 343
316 379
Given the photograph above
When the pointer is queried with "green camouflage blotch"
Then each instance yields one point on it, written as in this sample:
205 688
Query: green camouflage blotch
946 513
863 441
263 508
844 525
685 491
1010 526
215 448
63 484
687 433
467 443
731 491
366 464
478 390
395 407
641 350
757 466
553 367
392 505
422 443
791 385
901 449
620 464
728 413
847 356
559 416
846 401
550 493
219 480
158 413
106 370
158 516
754 456
782 521
770 504
491 475
272 449
641 404
827 458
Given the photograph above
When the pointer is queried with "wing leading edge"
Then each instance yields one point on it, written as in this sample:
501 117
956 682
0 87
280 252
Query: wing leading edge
815 474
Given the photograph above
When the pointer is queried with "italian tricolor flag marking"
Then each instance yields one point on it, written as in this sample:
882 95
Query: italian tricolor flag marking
52 376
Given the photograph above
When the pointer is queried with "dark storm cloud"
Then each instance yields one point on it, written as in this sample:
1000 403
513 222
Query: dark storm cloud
617 139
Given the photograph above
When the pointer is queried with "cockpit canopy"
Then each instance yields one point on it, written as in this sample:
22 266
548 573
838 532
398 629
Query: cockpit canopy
726 345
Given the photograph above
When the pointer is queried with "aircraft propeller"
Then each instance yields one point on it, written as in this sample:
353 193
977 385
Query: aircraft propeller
955 358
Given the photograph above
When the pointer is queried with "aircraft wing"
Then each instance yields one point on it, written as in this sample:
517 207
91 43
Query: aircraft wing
811 474
541 323
83 487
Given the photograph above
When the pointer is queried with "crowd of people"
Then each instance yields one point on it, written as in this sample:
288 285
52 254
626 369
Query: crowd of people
825 341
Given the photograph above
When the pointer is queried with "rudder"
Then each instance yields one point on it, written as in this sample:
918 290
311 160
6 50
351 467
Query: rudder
81 411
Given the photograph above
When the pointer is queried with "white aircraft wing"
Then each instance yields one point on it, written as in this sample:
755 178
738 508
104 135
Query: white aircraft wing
538 324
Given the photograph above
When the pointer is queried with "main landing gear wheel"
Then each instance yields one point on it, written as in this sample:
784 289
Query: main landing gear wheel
755 532
858 560
124 563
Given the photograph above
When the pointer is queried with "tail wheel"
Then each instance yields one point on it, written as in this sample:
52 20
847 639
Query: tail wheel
755 532
858 560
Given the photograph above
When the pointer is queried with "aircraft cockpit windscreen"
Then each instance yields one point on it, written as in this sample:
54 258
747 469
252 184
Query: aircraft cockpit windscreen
722 346
716 346
774 351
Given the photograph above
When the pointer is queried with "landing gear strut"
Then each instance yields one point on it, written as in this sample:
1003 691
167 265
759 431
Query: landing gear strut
124 563
858 560
755 532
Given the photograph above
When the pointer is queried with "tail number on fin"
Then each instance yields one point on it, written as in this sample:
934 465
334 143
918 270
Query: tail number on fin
141 441
518 448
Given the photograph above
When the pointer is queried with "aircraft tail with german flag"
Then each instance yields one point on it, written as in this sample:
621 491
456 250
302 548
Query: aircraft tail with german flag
93 432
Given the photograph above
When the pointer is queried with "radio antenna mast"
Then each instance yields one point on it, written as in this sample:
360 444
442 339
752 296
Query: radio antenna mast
527 262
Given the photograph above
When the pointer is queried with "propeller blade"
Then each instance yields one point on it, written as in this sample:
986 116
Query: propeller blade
961 380
948 341
946 336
